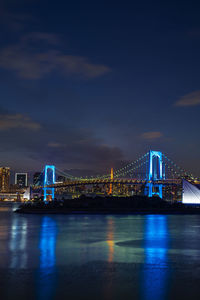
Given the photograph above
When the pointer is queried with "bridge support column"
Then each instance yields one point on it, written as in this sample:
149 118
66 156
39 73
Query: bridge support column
111 185
154 189
156 172
49 178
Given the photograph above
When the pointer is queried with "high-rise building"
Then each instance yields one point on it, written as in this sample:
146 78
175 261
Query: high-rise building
4 179
21 180
37 178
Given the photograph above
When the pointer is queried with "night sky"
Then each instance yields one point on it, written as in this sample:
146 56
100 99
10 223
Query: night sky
87 85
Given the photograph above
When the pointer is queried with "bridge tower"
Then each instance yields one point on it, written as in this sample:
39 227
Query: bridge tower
49 178
111 185
155 172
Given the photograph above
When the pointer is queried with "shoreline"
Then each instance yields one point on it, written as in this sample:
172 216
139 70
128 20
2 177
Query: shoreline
141 205
186 211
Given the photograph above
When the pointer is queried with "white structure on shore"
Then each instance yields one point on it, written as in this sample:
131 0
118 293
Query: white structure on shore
191 194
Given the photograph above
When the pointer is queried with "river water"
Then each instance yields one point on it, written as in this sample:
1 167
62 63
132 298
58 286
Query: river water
99 256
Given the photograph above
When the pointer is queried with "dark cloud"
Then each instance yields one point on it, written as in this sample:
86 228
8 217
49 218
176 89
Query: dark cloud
151 135
11 121
44 37
14 21
67 148
191 99
28 61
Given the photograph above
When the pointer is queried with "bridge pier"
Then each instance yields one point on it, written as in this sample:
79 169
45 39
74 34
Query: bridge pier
154 189
155 172
49 178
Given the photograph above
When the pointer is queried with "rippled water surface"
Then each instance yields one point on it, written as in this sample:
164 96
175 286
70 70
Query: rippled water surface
99 256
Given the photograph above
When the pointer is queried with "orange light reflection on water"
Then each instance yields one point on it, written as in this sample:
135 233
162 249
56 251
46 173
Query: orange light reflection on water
110 242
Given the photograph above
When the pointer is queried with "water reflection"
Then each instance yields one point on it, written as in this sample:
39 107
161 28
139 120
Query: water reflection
47 248
108 288
47 243
106 256
110 239
17 245
156 243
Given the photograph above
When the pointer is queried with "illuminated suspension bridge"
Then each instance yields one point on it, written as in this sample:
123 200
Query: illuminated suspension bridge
153 170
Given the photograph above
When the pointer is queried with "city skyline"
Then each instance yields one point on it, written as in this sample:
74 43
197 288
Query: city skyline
99 156
98 86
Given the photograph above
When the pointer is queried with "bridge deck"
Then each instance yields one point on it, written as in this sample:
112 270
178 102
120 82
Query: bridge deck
109 181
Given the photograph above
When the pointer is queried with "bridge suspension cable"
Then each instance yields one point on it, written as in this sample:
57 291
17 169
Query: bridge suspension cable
62 173
122 171
176 169
129 171
142 162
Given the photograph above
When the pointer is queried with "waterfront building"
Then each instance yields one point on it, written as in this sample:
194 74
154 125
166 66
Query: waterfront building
4 179
21 180
11 196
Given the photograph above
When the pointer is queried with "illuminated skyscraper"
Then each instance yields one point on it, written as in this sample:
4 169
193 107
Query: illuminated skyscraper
21 179
4 179
37 178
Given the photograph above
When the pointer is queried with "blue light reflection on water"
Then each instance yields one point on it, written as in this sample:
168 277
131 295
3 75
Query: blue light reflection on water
47 243
47 246
156 244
